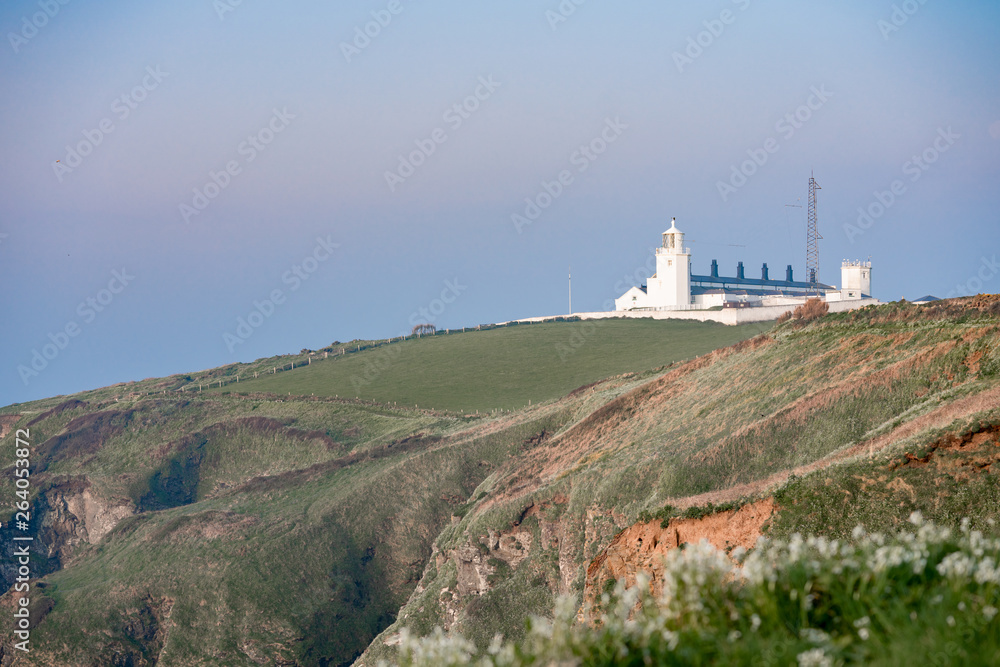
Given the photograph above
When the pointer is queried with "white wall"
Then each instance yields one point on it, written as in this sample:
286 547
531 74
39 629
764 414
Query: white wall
730 316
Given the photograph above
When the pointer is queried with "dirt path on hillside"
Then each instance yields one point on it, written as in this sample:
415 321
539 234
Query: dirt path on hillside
938 418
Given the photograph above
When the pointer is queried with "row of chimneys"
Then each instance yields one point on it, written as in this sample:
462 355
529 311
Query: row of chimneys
739 271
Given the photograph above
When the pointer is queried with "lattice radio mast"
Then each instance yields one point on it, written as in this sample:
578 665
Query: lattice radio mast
812 234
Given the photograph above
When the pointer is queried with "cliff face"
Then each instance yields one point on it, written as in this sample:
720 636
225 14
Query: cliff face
643 546
64 517
70 515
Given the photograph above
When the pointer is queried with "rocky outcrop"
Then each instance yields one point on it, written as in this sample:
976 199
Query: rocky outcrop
71 514
138 636
473 570
63 517
476 564
643 546
81 516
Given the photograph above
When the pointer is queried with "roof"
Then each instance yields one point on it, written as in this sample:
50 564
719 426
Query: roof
757 283
673 228
750 292
925 299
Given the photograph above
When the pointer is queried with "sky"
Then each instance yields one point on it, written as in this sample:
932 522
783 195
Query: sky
191 183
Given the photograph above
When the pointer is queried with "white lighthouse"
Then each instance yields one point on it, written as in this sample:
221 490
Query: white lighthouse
671 286
674 288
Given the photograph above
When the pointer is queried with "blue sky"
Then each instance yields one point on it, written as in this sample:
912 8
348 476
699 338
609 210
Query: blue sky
687 91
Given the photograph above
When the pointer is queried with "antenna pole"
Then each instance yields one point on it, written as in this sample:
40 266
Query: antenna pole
571 290
812 234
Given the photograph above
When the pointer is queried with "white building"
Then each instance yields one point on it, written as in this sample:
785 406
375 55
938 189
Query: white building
673 287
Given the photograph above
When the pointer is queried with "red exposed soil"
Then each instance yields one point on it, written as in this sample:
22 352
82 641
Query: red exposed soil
977 449
642 547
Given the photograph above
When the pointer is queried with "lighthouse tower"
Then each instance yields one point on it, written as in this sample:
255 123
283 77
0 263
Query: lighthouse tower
671 286
855 279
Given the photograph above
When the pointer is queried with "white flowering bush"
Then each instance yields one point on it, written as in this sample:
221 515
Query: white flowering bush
927 595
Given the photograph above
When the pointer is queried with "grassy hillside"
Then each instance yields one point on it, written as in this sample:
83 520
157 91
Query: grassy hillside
223 528
255 530
816 416
501 368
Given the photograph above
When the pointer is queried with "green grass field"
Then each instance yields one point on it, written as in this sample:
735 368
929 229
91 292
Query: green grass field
502 368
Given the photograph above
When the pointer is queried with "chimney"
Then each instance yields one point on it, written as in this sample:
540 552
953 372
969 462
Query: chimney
788 273
763 272
715 269
739 271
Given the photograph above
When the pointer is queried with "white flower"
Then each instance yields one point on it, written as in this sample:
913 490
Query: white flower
436 649
814 658
692 573
956 566
989 612
987 572
814 635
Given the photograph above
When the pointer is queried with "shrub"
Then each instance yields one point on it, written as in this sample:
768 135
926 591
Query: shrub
812 309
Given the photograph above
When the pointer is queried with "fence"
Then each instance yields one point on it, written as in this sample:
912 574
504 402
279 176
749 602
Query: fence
201 384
